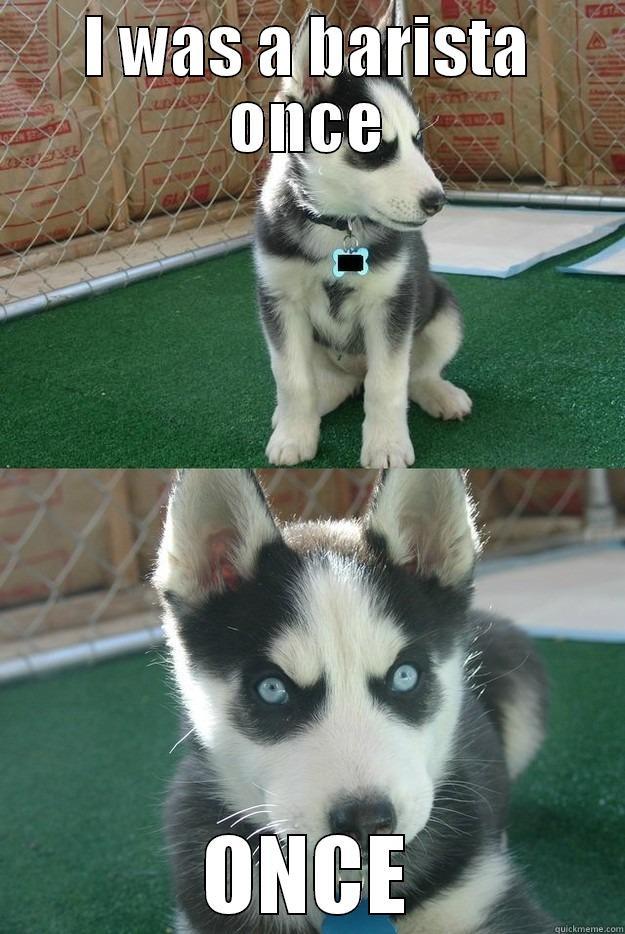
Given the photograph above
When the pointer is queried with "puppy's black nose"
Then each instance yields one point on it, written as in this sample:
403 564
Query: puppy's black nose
432 202
361 817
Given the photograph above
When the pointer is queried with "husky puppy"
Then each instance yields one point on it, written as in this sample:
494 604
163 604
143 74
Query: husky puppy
394 328
336 679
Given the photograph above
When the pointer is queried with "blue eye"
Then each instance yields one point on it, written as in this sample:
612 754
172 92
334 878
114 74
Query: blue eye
404 678
272 691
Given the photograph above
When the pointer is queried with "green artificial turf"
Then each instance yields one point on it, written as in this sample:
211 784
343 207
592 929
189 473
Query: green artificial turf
174 372
85 758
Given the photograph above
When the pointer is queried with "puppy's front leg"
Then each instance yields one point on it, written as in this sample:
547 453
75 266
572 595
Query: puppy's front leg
385 437
296 418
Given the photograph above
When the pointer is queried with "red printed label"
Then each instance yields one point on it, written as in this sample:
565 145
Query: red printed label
605 10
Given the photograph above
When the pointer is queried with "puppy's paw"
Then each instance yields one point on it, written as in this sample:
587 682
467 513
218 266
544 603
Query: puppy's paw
292 442
384 447
440 398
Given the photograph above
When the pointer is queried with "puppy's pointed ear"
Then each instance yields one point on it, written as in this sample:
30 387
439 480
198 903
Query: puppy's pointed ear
390 14
217 522
394 14
302 86
426 520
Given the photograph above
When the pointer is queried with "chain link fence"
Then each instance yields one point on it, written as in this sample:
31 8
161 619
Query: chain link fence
106 180
77 546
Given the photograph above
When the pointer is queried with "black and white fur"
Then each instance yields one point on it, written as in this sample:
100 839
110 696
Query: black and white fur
332 608
396 328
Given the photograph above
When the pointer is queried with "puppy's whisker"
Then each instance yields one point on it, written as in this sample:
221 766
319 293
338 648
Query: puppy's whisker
252 807
268 826
181 740
427 126
245 817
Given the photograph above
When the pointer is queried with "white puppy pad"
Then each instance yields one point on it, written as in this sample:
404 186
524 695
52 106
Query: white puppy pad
503 241
609 262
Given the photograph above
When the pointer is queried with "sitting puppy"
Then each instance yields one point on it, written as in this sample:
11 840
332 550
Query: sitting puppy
397 326
337 680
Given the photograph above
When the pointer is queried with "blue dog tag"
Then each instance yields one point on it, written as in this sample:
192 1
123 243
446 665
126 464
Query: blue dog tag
358 921
352 259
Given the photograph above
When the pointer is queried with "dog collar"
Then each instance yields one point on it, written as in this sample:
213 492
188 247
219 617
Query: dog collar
358 921
327 220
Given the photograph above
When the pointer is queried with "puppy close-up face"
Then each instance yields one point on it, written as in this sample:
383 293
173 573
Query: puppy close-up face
321 663
394 184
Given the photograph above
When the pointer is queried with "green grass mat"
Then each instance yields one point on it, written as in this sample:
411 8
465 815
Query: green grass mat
174 372
85 758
